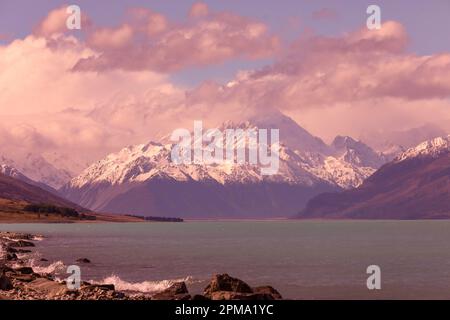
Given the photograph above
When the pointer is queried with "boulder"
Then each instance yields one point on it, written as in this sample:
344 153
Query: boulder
24 270
23 251
229 295
11 257
5 283
268 290
84 260
50 288
16 235
4 268
21 243
10 249
223 282
199 297
101 287
177 291
24 277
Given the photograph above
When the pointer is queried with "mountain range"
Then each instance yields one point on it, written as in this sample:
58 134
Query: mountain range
415 185
345 179
142 179
36 168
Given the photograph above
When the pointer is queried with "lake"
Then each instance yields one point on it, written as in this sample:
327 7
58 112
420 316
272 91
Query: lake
301 259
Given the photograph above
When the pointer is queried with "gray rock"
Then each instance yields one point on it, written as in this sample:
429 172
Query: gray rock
24 270
223 282
268 290
21 243
228 295
5 283
177 291
11 257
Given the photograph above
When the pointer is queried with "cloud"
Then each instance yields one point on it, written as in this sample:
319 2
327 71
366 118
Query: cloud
199 9
47 84
150 41
363 80
24 135
119 92
109 38
55 23
321 71
54 108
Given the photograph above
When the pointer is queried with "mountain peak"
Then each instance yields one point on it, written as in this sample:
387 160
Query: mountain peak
356 152
398 190
10 171
429 148
342 141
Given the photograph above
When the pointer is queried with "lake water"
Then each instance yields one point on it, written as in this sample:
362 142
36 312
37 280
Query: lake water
302 259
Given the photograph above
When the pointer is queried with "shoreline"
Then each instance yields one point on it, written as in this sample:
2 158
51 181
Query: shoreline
100 218
19 281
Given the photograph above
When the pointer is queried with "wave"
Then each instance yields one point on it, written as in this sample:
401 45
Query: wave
143 287
54 267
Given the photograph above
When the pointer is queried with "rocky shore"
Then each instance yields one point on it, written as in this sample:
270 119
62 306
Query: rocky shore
20 282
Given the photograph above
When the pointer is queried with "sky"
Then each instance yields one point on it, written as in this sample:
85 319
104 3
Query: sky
287 18
138 69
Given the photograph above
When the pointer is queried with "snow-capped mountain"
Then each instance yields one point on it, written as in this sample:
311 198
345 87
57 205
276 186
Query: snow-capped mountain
16 174
122 181
416 185
430 148
36 168
357 153
387 141
12 172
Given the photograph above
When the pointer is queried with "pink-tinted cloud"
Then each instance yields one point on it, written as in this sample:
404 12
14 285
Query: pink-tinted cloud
320 71
199 9
55 22
109 38
152 42
363 80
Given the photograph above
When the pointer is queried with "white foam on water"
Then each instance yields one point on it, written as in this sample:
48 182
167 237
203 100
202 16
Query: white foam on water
57 266
142 287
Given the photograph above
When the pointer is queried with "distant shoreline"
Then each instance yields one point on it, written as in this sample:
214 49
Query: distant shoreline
11 218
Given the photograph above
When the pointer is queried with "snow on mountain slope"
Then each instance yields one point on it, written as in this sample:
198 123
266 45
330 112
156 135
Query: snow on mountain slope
67 164
415 185
16 174
303 160
142 162
36 168
356 152
344 174
11 172
431 148
142 178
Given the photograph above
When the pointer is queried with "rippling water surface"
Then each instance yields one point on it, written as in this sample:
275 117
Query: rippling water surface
302 259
